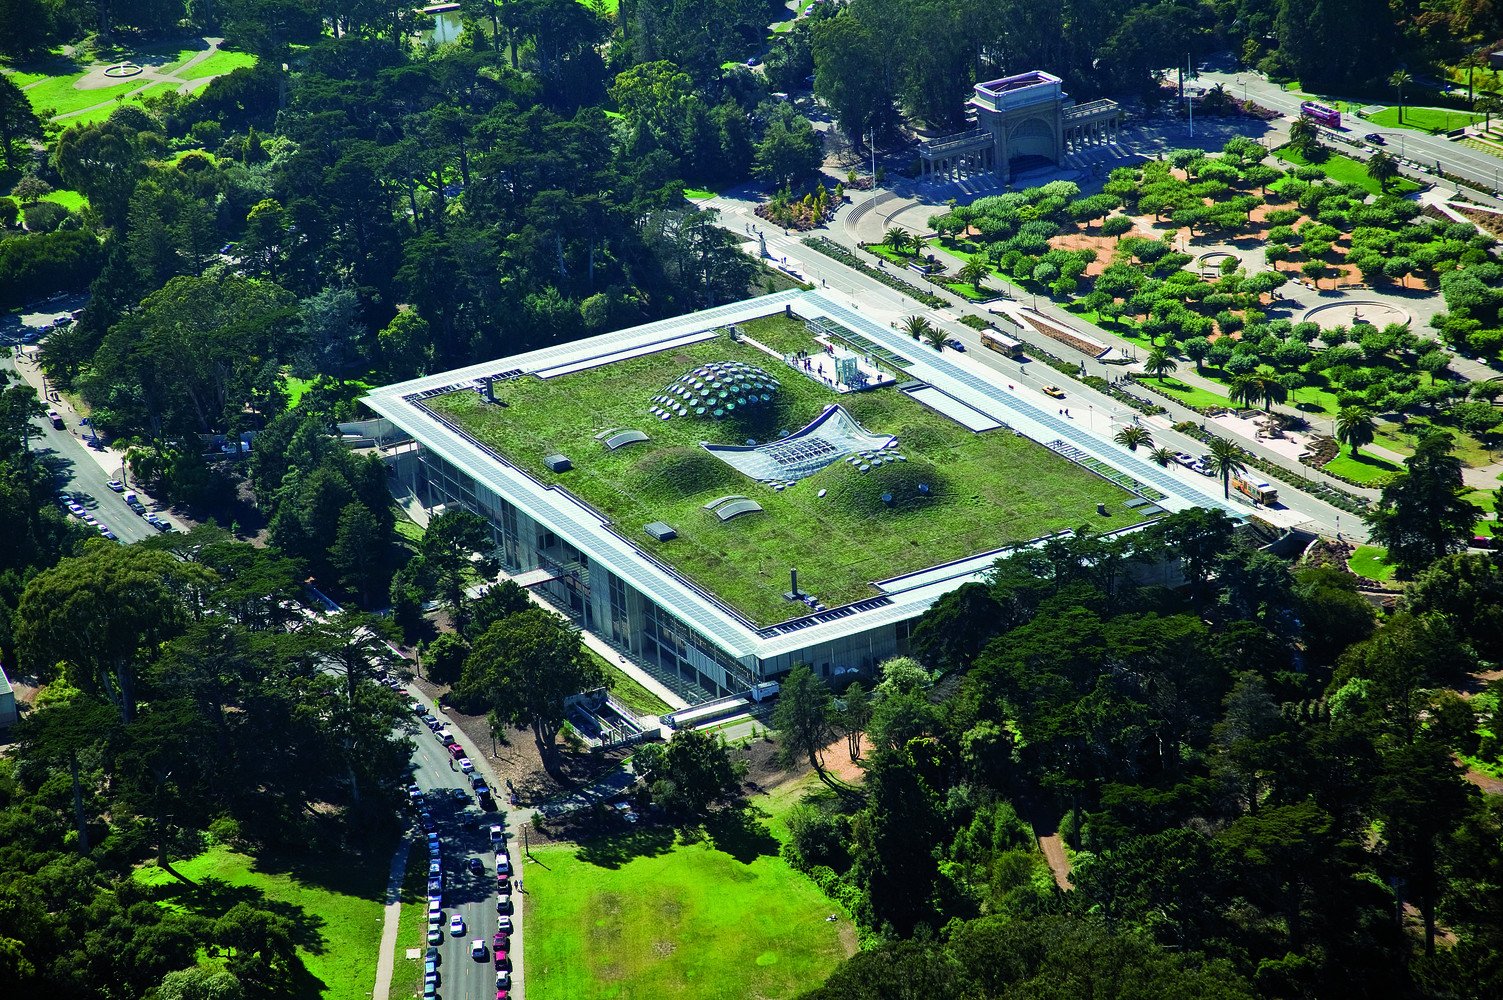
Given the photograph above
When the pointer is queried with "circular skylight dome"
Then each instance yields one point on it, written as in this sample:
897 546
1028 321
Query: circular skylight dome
719 389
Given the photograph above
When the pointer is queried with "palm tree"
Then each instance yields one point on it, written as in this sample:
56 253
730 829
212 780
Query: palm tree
897 238
974 273
915 326
1303 135
1247 390
1489 105
1159 363
1399 79
1354 427
1133 435
1382 168
935 337
1226 461
1274 391
1162 456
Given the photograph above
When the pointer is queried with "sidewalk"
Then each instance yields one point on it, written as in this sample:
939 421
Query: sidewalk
386 959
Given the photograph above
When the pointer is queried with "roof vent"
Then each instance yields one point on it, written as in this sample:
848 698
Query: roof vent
661 531
558 463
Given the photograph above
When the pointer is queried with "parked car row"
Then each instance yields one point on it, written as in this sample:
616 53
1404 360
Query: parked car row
425 803
134 503
1201 465
72 506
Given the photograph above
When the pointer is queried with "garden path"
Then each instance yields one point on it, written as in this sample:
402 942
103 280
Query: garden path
149 77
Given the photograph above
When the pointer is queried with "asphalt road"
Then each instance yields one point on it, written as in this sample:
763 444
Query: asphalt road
79 473
472 897
1418 147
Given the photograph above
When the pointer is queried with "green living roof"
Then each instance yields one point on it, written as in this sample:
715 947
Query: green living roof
984 491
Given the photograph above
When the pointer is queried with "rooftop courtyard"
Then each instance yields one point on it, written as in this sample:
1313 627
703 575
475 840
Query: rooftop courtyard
953 493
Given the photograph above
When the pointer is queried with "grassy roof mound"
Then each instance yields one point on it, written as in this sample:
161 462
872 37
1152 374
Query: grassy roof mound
862 493
670 473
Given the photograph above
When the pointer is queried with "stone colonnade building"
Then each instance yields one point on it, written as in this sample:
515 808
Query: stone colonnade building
1019 118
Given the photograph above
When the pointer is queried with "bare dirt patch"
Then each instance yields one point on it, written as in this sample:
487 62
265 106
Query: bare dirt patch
514 757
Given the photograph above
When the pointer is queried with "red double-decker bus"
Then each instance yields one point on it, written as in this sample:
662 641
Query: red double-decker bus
1320 114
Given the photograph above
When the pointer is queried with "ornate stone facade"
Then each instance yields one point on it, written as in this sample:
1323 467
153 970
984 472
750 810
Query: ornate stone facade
1019 117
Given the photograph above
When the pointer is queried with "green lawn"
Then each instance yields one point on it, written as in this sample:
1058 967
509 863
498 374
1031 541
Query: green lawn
73 201
1403 437
57 90
972 293
1425 119
1188 394
1347 171
412 927
335 904
100 114
637 697
219 64
698 194
1371 562
1369 470
777 333
60 94
980 491
892 256
638 916
1122 326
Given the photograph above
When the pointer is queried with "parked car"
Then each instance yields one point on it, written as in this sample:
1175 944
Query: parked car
504 923
455 750
499 941
116 485
435 935
466 765
1184 458
498 835
476 866
503 960
503 865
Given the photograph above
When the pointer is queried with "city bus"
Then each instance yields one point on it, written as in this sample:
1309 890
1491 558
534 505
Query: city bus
994 340
1260 492
1320 114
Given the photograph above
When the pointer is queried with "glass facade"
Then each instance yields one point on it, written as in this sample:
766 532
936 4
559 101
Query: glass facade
667 647
677 648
